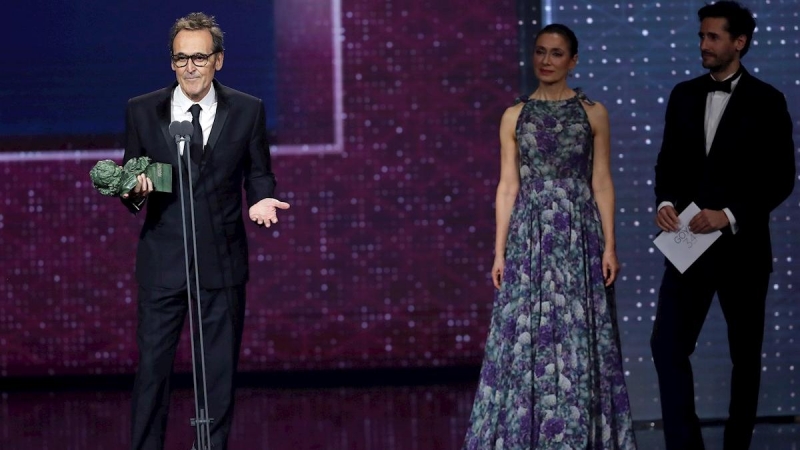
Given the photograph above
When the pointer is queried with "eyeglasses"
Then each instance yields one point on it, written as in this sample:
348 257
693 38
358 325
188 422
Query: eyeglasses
198 59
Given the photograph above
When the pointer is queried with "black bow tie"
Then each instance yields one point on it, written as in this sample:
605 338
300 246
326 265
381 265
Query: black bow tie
724 86
714 85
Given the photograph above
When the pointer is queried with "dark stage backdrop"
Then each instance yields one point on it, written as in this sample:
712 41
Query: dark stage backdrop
385 117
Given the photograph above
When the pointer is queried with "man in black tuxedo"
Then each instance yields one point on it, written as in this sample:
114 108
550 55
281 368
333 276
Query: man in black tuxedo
728 148
232 152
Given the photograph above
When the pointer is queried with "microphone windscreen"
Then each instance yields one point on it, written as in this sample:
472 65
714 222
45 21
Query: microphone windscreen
175 128
186 128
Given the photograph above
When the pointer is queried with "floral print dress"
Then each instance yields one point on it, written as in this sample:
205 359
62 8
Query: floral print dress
552 375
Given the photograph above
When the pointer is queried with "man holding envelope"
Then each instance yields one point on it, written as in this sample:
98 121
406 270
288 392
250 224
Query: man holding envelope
727 151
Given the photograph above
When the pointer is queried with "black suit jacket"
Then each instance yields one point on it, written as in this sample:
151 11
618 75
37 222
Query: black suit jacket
750 168
236 156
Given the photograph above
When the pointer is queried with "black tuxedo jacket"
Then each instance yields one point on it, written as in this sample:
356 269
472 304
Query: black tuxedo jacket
750 168
236 156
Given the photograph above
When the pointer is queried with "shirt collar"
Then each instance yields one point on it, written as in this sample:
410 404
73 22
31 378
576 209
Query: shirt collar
184 103
734 81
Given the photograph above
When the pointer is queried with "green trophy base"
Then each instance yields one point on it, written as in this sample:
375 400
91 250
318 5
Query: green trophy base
112 180
161 175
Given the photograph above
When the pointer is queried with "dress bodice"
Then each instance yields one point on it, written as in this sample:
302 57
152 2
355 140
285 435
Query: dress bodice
555 139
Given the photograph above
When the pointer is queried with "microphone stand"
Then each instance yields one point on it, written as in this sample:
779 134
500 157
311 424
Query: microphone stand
202 423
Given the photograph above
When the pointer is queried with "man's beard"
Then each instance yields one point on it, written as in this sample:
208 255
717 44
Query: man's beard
717 63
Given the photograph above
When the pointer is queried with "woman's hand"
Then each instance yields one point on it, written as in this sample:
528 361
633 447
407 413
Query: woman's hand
497 271
610 266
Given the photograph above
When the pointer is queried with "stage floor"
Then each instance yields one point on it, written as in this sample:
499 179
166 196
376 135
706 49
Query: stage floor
349 418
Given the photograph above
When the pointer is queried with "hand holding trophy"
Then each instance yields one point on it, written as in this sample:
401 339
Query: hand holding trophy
112 180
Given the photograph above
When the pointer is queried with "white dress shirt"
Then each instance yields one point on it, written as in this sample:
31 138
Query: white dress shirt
208 110
715 106
716 102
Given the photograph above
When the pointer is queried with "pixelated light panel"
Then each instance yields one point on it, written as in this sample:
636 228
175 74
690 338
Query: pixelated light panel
382 260
631 55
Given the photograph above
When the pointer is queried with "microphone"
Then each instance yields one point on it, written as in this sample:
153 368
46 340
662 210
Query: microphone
181 129
186 128
175 129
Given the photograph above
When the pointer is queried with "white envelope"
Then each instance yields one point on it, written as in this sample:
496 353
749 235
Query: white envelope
683 247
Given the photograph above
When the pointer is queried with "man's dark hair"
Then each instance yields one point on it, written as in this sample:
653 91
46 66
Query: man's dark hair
198 21
564 32
740 19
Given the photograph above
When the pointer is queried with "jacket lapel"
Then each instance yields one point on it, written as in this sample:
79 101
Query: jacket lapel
698 121
163 112
219 119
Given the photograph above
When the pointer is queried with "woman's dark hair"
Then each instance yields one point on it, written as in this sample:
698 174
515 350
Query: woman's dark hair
740 19
564 32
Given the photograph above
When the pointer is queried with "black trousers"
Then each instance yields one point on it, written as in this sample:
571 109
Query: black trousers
683 303
161 317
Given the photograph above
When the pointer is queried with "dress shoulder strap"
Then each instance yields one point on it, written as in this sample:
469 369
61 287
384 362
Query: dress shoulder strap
521 99
582 96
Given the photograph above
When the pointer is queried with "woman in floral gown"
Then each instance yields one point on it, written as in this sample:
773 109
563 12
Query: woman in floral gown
552 375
